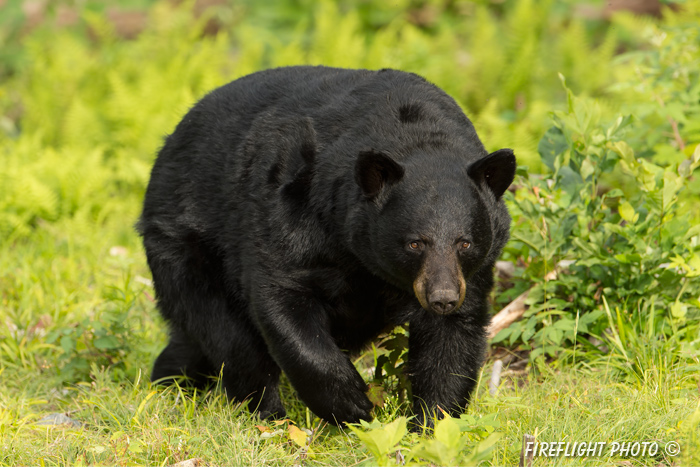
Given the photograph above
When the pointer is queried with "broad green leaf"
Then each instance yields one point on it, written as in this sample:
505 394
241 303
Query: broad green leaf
679 310
625 152
484 449
696 158
552 144
67 344
447 432
135 446
569 180
381 441
447 445
587 168
620 123
106 343
693 266
501 335
628 213
672 183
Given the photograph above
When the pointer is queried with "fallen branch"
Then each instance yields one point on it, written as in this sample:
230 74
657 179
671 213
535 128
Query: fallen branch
513 311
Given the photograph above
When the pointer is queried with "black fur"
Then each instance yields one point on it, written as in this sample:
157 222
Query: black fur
296 212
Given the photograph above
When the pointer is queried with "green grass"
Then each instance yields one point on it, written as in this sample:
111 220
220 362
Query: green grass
128 422
64 273
61 274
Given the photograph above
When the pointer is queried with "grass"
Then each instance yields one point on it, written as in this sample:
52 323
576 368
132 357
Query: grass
69 279
130 423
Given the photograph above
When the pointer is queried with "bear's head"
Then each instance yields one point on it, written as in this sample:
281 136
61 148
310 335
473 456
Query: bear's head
431 223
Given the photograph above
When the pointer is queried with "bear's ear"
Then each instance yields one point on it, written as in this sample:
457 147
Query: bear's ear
497 170
375 170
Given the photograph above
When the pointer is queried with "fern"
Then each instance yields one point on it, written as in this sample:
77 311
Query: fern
94 111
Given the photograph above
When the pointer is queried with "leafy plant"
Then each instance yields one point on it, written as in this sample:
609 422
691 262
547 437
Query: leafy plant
452 437
390 357
660 85
381 440
101 339
619 206
614 244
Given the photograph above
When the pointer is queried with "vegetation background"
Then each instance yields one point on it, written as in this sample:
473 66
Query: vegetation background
601 102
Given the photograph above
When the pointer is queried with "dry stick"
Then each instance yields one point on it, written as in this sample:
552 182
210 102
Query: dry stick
677 134
513 311
495 377
526 459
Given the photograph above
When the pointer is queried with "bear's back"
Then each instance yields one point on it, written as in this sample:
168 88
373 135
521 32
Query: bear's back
266 134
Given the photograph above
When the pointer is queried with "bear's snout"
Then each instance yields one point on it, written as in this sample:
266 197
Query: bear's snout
443 301
440 286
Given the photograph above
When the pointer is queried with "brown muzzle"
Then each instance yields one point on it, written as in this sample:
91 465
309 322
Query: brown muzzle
441 289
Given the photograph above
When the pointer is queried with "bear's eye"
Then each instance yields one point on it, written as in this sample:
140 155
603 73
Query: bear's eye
414 245
465 245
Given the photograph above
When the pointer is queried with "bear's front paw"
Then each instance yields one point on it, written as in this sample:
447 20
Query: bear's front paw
350 405
340 398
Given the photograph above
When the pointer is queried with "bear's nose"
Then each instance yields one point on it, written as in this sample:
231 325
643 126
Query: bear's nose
443 301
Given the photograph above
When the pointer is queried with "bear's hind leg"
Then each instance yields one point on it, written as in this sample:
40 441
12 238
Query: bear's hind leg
235 351
183 358
212 334
249 372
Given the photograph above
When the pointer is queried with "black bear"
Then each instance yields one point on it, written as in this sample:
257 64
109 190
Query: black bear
297 212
